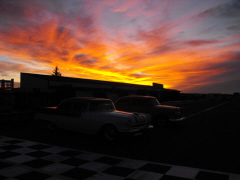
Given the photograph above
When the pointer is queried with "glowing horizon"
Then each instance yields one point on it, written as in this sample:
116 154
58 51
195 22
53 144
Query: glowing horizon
185 45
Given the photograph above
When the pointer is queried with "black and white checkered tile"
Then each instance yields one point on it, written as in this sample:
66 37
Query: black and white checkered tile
22 159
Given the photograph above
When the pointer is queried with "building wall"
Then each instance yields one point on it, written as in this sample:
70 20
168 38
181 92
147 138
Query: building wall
90 85
29 83
62 87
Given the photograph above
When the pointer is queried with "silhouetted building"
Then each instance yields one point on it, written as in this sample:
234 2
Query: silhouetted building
88 87
7 84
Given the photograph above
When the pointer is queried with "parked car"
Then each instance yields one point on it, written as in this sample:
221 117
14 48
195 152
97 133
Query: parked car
94 116
162 115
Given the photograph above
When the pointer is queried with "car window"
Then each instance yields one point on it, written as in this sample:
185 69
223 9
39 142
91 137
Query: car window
79 107
123 102
101 106
151 102
137 102
65 106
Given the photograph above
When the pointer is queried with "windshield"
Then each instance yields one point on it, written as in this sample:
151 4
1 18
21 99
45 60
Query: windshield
101 106
152 102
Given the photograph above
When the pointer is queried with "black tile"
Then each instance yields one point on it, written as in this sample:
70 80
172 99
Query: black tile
8 154
78 173
168 177
4 165
108 160
3 177
15 141
202 175
39 146
155 168
119 171
38 154
33 175
74 161
37 163
10 147
70 153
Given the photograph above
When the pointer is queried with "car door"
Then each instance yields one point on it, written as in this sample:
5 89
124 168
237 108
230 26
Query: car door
62 115
73 116
79 119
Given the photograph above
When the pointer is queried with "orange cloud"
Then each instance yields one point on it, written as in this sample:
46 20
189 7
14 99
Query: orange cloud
37 36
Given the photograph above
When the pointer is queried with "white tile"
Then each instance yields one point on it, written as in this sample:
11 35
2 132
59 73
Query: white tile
21 159
27 143
5 139
145 175
55 149
24 150
57 168
13 171
234 176
95 166
131 163
184 172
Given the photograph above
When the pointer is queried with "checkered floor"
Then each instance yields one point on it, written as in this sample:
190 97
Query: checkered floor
22 159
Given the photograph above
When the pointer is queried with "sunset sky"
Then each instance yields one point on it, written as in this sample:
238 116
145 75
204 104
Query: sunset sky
189 45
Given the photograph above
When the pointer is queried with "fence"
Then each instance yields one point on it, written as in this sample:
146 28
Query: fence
17 101
18 107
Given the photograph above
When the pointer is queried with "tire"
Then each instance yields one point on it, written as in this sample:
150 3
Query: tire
51 126
161 121
109 132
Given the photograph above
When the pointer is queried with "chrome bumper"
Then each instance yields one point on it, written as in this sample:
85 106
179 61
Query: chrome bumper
137 131
176 119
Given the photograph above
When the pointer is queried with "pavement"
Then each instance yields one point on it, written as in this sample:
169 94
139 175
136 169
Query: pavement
23 159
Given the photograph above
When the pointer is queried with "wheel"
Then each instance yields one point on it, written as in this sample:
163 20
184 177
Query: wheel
51 126
161 121
109 132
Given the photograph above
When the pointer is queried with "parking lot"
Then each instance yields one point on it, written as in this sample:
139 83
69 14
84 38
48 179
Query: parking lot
207 138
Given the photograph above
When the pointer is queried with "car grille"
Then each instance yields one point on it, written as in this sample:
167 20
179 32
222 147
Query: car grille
139 125
139 118
178 115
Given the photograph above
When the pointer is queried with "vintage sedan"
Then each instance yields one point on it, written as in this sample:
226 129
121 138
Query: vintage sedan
94 116
162 115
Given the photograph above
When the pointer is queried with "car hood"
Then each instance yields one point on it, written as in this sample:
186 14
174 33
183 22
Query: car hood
168 107
135 117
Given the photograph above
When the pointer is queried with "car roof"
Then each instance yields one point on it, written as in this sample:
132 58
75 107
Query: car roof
87 99
136 96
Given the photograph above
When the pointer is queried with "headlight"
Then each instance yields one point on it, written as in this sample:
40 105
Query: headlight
129 122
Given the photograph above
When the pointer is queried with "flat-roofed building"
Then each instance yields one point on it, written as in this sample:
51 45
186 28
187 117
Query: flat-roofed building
88 87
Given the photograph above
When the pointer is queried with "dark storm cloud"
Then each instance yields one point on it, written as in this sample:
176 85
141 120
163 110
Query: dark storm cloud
227 76
227 87
229 9
44 29
232 63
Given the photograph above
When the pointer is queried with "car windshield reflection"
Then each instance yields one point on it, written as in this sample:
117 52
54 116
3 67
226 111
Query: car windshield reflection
152 102
102 106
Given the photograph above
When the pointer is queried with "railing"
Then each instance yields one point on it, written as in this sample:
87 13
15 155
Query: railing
16 101
18 107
